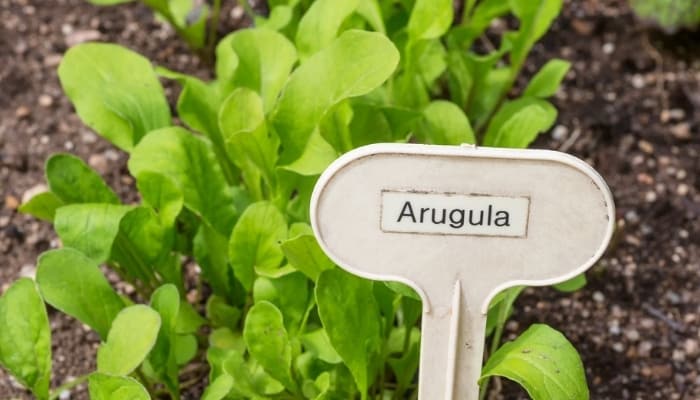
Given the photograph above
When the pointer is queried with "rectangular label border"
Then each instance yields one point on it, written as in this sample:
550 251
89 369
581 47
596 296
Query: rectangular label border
415 191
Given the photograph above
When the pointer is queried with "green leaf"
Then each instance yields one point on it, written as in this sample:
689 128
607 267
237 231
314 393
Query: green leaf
115 92
546 82
188 319
430 57
573 284
463 36
90 228
542 361
459 78
251 381
355 63
320 24
198 107
519 122
210 252
25 337
218 389
166 301
405 367
185 348
190 162
242 124
161 193
73 283
280 17
268 342
198 103
221 314
72 181
370 11
316 157
42 206
501 308
304 253
191 17
265 59
403 290
430 19
255 241
318 344
289 293
535 18
346 304
126 347
108 387
445 123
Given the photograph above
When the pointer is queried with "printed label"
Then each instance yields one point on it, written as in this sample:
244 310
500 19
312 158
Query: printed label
454 214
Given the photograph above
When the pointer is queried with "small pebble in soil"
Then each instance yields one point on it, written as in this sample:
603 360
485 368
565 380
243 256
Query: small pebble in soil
650 196
560 132
11 202
99 163
632 334
681 131
632 217
644 349
598 297
237 12
691 347
22 112
646 147
645 178
608 48
682 189
45 100
637 81
678 355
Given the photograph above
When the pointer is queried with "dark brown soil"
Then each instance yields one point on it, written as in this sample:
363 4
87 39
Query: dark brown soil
630 106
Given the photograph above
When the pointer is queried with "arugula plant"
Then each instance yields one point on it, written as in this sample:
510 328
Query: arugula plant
193 20
669 15
227 185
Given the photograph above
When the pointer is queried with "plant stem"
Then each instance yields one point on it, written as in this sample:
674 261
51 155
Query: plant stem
248 9
68 386
213 28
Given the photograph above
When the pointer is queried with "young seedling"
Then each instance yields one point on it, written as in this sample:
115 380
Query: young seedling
460 224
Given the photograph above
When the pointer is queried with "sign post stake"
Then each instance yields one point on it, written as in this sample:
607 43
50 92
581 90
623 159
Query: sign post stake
459 225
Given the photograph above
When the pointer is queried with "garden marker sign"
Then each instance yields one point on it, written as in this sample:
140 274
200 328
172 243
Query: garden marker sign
460 224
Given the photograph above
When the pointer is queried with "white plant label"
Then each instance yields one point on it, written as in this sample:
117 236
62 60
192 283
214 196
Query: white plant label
454 214
460 224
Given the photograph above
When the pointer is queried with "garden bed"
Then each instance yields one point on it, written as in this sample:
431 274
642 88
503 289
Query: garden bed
630 106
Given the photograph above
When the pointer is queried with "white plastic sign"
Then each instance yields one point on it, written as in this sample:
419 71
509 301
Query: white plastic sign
460 224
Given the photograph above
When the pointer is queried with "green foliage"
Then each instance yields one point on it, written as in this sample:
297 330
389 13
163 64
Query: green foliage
230 188
126 347
543 362
187 17
25 338
73 283
109 387
670 15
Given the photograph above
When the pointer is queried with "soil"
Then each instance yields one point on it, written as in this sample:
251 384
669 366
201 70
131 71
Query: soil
630 107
